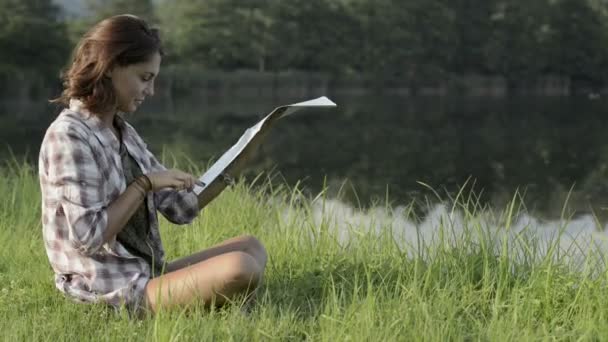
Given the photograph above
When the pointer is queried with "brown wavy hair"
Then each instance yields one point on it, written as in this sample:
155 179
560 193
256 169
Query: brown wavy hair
116 41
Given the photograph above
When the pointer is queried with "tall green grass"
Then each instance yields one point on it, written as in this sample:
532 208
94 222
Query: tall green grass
325 280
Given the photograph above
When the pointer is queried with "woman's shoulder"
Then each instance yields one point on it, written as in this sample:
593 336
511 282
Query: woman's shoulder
67 123
67 129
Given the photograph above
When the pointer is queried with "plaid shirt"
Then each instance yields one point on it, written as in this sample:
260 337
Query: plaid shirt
80 173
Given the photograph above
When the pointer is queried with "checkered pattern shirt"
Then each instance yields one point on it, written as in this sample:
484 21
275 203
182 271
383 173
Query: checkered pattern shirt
80 172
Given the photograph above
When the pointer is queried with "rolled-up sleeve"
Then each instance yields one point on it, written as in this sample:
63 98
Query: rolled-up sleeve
179 207
76 177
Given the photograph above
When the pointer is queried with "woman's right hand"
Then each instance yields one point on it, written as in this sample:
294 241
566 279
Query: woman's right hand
175 179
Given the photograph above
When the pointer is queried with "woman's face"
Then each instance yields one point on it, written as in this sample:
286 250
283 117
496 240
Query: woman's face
133 83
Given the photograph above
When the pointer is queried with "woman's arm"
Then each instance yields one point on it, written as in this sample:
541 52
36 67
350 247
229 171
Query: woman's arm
122 208
75 181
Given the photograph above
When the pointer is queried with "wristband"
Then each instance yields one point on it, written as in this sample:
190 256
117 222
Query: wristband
148 181
144 183
140 189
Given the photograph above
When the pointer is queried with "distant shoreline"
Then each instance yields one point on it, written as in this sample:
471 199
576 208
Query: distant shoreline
182 80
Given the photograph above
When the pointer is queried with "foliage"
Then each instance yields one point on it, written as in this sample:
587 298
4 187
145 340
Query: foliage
390 39
32 37
224 34
97 11
386 40
578 41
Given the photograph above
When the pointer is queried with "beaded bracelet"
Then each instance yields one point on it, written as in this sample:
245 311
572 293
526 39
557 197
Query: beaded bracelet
144 182
140 189
148 181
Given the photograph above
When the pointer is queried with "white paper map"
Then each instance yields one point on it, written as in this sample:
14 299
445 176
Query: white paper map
263 125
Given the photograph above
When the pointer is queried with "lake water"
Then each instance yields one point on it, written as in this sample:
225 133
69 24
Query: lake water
375 147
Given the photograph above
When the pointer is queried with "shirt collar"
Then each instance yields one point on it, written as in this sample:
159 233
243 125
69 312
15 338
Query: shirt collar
103 133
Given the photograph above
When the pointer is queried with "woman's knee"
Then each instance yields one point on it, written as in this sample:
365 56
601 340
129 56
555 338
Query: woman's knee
242 270
256 249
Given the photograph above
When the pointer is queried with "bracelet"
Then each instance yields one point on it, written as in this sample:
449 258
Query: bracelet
148 181
140 189
144 182
227 179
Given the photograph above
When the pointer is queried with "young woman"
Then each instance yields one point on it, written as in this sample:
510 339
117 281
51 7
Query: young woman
102 188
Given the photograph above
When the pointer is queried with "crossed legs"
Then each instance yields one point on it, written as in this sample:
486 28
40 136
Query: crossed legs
214 275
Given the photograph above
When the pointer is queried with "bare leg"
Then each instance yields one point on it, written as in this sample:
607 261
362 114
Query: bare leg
247 244
214 280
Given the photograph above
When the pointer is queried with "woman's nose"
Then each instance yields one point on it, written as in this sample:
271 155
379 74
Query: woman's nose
149 91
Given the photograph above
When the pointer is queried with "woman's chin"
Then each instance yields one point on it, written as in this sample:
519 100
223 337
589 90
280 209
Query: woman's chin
128 109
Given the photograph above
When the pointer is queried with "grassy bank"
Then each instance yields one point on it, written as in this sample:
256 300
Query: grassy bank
319 285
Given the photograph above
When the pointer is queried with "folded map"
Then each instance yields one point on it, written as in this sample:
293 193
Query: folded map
252 138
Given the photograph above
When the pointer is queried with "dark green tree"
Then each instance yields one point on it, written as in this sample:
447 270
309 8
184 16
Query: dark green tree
141 8
472 28
319 35
32 37
578 40
224 34
99 10
517 45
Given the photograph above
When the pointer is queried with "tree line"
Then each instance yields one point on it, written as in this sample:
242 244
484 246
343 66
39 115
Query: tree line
381 39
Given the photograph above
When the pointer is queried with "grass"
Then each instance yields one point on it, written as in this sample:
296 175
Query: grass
329 277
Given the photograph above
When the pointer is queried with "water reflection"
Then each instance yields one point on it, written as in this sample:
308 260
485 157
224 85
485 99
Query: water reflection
541 147
578 243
